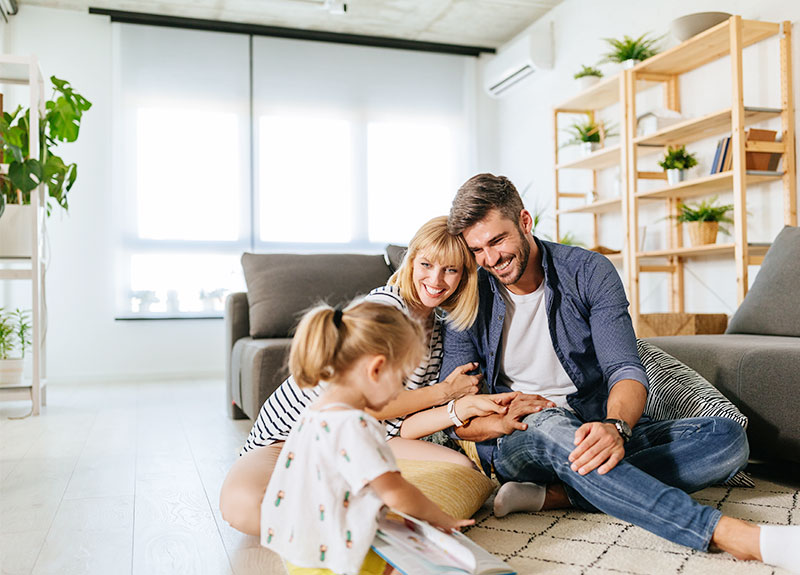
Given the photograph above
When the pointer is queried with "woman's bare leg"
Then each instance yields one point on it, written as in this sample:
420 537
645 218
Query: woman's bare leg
244 488
427 451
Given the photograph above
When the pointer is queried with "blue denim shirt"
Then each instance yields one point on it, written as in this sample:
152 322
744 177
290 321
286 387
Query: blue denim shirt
590 327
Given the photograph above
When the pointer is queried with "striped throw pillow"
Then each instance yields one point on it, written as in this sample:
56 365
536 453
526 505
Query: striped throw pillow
677 392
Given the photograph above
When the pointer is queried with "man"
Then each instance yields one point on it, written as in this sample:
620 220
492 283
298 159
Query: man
553 325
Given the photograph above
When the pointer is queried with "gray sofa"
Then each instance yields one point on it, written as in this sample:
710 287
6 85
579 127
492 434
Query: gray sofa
280 287
756 362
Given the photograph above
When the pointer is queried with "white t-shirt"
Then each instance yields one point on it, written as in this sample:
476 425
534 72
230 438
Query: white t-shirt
319 510
528 361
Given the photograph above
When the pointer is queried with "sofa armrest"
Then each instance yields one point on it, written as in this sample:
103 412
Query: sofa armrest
237 326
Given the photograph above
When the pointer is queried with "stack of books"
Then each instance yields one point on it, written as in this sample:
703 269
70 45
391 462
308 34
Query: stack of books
754 161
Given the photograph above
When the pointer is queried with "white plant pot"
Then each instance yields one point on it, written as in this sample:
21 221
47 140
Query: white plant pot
628 64
11 371
675 176
589 147
585 82
16 233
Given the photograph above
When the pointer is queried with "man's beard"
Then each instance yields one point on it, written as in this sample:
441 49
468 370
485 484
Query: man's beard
522 258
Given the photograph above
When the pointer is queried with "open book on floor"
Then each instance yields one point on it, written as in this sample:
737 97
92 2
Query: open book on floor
414 547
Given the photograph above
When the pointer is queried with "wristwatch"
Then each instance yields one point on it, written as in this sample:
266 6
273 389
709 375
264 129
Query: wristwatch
623 429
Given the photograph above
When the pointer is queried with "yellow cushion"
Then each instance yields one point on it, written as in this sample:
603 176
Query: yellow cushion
458 490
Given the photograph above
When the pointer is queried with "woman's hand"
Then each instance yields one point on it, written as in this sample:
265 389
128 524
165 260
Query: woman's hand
471 406
459 383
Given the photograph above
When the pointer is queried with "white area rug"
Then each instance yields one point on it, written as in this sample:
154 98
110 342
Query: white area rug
574 542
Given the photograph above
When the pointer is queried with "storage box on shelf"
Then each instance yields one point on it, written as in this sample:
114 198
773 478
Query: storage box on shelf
24 70
726 39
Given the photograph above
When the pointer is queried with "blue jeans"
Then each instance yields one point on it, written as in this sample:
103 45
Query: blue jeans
663 461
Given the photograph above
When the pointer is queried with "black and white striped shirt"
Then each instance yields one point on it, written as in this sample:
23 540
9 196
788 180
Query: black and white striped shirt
282 409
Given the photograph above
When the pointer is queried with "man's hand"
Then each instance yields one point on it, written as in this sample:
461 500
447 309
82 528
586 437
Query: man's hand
497 425
599 446
459 383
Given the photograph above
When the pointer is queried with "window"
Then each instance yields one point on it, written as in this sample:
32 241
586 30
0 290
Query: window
226 143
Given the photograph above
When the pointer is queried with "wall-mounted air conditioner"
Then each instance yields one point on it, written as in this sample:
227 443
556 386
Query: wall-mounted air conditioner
518 60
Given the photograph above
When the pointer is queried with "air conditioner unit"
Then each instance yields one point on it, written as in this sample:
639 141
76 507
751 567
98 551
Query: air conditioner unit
518 60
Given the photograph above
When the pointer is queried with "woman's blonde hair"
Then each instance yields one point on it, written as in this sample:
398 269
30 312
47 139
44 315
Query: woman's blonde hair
438 245
329 341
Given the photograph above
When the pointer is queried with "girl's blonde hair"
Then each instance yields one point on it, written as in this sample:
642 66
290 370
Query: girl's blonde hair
438 245
328 341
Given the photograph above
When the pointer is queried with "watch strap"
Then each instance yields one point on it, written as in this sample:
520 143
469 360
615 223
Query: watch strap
451 413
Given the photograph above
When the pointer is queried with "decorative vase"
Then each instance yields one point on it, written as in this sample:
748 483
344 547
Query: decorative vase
11 371
585 82
16 235
703 233
675 176
589 147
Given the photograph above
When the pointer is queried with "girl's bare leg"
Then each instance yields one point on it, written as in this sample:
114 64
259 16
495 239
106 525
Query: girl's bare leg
244 488
427 451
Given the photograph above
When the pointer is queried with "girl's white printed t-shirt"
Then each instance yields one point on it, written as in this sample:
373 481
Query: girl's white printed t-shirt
319 510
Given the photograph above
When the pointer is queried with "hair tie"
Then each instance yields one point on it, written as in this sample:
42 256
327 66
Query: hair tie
337 317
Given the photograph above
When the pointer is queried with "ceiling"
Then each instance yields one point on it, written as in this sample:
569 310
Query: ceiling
484 23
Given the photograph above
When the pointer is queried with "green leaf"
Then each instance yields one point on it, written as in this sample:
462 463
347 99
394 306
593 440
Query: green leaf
25 176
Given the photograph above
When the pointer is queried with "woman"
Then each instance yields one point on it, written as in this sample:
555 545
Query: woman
438 273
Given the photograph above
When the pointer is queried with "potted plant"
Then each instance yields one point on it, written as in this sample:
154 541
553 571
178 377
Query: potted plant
60 122
630 51
703 220
15 338
587 76
675 162
588 133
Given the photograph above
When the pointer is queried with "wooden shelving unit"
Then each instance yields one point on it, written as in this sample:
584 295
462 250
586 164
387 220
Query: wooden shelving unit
727 39
25 70
664 70
604 94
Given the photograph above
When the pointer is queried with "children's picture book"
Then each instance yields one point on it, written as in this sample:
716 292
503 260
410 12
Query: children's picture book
414 547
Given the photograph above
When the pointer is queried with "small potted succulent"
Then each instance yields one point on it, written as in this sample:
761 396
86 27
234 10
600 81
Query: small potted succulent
15 338
588 133
630 51
703 220
587 76
675 162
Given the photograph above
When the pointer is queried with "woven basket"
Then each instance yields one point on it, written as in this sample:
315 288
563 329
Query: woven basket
703 233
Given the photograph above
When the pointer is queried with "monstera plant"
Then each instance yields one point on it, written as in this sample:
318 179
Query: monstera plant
61 122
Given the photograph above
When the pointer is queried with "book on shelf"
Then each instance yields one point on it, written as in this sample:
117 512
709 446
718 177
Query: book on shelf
716 157
415 547
722 157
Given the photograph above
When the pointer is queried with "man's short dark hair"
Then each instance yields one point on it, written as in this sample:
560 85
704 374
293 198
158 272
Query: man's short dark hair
478 196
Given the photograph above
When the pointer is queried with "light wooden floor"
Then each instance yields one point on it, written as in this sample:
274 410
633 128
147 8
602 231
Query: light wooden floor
122 478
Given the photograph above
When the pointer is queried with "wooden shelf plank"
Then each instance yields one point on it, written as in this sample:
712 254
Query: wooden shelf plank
601 95
706 47
598 207
711 250
706 185
19 274
616 259
704 127
603 158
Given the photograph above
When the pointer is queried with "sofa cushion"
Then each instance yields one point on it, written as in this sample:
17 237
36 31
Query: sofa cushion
395 255
770 306
679 392
280 287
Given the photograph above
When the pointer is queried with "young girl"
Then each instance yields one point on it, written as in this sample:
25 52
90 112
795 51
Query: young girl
336 472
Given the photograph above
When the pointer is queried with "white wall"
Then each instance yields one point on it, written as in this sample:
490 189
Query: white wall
523 144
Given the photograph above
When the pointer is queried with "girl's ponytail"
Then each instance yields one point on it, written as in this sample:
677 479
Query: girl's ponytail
329 341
